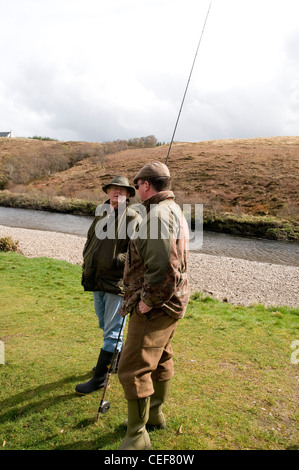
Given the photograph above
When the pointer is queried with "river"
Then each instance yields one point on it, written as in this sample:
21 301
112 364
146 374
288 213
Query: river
253 249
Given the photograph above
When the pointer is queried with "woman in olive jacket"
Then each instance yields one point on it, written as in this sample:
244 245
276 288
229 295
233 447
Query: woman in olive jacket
104 257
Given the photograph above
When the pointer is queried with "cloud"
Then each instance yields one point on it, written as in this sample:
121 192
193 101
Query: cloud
110 70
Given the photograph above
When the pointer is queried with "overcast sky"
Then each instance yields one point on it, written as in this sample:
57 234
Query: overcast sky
102 70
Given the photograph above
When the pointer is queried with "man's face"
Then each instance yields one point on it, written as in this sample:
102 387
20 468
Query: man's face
141 188
117 194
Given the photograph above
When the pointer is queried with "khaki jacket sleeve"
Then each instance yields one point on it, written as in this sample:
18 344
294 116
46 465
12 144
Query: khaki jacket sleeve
160 273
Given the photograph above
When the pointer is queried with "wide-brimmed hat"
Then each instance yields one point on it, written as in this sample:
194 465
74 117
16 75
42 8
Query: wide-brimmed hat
152 170
120 181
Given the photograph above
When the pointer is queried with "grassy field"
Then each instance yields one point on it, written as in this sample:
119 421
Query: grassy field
236 382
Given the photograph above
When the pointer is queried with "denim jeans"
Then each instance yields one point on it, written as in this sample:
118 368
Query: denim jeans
107 307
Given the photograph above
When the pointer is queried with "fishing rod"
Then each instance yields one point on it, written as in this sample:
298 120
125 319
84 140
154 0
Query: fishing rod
104 404
184 96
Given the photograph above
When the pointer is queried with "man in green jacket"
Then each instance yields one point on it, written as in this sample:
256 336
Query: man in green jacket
104 256
156 297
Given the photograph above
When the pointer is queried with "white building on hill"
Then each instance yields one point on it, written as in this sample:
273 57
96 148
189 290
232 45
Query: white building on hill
6 134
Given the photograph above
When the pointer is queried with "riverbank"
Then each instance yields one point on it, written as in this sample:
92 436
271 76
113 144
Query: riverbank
228 279
268 227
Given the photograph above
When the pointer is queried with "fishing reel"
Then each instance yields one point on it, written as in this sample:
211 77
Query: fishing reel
104 407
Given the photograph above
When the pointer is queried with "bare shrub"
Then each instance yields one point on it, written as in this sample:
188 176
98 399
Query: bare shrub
115 146
289 211
8 244
143 142
68 190
88 195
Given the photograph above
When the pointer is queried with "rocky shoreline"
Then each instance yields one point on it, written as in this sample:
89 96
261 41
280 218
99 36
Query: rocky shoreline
232 280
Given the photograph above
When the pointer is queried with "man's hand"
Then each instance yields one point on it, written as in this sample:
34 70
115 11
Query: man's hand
143 308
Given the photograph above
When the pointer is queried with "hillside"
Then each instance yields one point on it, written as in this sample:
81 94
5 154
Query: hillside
242 176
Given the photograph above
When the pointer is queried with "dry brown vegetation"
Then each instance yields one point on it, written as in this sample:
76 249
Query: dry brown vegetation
243 176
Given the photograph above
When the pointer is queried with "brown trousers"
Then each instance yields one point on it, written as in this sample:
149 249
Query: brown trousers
147 353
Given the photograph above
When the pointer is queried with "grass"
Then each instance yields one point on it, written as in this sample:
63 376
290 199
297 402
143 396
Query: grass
235 386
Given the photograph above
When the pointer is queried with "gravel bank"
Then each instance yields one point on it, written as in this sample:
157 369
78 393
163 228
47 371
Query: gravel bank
233 280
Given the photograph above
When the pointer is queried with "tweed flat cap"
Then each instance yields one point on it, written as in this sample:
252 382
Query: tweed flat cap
152 170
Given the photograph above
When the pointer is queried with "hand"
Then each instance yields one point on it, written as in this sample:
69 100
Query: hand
143 308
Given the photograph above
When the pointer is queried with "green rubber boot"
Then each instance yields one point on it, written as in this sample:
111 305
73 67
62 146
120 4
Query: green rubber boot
156 417
137 437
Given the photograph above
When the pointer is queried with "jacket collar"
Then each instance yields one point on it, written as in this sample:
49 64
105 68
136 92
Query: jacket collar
161 196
